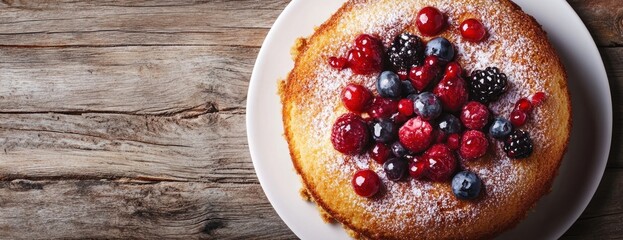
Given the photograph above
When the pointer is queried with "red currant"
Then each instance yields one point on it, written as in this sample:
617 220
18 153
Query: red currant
338 63
430 21
523 105
405 107
518 118
366 183
356 98
473 30
537 98
380 153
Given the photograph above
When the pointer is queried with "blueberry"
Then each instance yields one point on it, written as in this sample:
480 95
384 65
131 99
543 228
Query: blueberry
427 106
412 97
500 128
466 185
450 124
383 130
389 85
399 150
440 47
407 88
395 169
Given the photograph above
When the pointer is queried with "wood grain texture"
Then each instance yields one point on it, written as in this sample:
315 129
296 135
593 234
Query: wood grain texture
125 119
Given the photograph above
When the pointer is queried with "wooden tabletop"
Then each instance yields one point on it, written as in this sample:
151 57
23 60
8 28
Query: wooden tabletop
126 119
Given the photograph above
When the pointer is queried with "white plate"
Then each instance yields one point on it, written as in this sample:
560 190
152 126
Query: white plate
579 175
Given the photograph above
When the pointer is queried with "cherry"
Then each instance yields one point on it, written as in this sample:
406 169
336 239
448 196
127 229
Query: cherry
453 69
473 30
417 169
356 98
380 153
405 107
366 183
430 21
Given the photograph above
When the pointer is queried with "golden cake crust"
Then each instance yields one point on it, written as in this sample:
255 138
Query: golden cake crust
420 209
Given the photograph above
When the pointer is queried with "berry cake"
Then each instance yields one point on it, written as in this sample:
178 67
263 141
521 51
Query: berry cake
426 119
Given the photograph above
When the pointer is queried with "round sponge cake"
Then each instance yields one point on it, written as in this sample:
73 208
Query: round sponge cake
409 209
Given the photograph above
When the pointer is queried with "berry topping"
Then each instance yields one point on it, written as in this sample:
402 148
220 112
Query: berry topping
422 76
418 169
395 169
474 115
454 141
440 47
339 63
466 185
383 130
473 145
518 144
453 69
472 30
427 106
452 93
406 51
430 21
441 162
416 134
407 88
449 124
356 98
523 105
488 85
389 85
405 107
382 107
367 56
518 118
537 98
349 134
398 150
500 128
380 153
366 183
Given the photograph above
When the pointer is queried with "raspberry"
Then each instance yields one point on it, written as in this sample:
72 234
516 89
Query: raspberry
474 115
441 162
350 134
454 141
474 145
518 144
367 56
452 92
416 134
406 51
356 98
382 107
366 183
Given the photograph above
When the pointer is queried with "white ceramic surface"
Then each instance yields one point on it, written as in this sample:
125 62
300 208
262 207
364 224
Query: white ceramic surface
579 175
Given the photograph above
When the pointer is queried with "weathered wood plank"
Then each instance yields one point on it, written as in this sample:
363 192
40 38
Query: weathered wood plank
603 216
138 210
138 80
603 18
112 23
206 147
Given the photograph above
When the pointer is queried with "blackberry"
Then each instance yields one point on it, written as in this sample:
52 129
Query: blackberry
406 51
487 85
518 144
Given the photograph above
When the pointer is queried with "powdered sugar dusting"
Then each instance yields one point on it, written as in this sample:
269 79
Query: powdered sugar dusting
426 203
